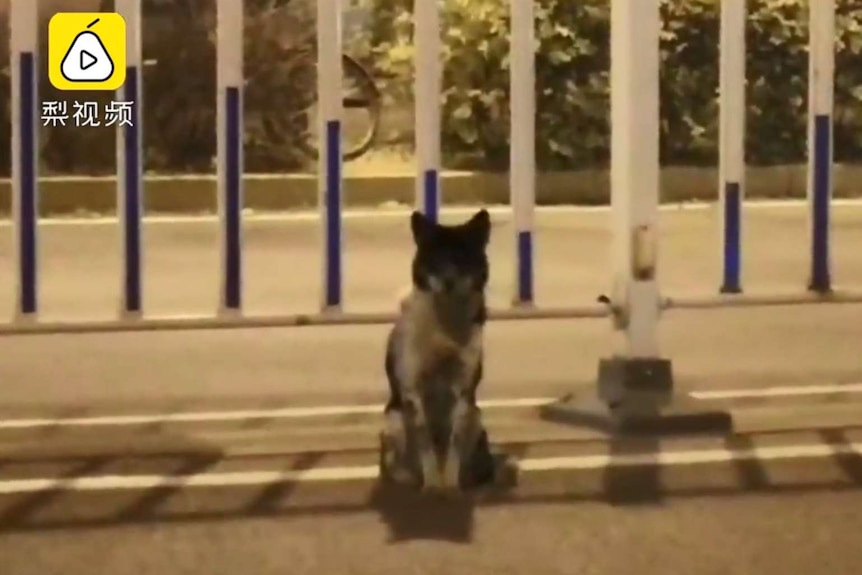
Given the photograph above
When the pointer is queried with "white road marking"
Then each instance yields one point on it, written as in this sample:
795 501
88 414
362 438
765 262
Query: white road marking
400 211
239 415
786 391
694 457
370 472
371 409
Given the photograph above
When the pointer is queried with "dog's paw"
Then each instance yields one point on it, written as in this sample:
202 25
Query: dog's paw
432 478
394 431
403 476
505 471
452 471
394 468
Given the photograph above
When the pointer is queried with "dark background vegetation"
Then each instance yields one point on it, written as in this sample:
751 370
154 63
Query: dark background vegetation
572 84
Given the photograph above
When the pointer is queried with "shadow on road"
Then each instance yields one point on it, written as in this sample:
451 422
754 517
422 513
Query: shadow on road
408 515
22 509
633 485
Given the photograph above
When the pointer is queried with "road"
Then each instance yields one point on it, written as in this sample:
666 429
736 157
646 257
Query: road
818 534
255 449
718 517
745 516
80 272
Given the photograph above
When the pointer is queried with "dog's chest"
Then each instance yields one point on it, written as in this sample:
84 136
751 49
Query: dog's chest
441 350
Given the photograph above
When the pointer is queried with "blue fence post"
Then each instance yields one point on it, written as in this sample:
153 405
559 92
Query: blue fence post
731 181
821 72
130 166
330 101
229 86
426 16
25 154
522 161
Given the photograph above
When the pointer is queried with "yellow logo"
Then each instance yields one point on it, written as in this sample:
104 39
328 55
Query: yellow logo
87 51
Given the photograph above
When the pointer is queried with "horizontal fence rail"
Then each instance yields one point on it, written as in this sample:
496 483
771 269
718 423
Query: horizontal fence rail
515 313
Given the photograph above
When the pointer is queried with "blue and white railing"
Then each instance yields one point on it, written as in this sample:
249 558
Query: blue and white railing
634 171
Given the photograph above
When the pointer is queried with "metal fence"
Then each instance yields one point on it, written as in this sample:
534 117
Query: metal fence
634 168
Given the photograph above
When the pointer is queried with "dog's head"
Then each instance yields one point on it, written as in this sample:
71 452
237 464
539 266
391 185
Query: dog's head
451 259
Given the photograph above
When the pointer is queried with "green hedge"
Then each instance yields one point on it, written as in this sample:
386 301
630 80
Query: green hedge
572 85
179 93
572 91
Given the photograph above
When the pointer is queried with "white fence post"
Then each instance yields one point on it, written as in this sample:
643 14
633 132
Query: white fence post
130 165
635 170
229 89
428 92
821 76
25 153
731 182
330 100
635 386
522 161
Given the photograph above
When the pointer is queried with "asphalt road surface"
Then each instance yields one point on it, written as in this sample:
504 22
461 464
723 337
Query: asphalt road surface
254 450
236 502
80 265
794 505
712 536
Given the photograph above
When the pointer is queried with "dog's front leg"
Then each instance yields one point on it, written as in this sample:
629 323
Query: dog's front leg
415 409
463 412
461 420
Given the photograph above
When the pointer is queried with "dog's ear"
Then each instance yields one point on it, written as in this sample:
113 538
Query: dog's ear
479 227
421 227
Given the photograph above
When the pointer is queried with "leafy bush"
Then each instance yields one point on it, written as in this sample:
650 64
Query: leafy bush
572 63
179 92
180 105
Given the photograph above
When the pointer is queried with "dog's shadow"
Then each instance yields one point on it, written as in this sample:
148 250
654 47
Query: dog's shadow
411 514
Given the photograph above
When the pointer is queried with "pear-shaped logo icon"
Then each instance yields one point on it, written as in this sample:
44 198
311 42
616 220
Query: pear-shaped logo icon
87 60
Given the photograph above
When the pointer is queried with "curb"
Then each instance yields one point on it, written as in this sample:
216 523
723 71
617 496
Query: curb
190 194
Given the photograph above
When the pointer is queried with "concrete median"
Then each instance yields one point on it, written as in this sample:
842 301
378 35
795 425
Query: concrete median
195 193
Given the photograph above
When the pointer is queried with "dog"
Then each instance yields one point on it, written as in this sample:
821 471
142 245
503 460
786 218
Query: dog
434 359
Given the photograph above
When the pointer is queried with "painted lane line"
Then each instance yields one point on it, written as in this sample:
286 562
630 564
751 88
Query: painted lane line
240 415
781 391
370 472
372 409
699 457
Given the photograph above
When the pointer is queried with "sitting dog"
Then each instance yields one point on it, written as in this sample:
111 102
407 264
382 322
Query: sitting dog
434 436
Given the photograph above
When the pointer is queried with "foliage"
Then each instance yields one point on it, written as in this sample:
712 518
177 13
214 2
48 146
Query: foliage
572 91
179 93
180 104
572 63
